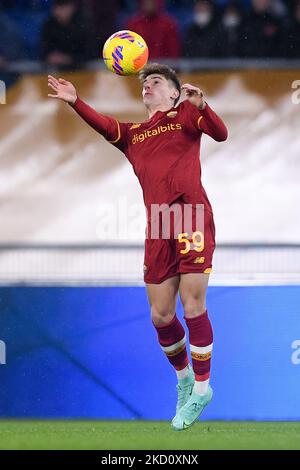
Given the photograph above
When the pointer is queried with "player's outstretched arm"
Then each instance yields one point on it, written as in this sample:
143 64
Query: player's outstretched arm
105 125
63 90
209 122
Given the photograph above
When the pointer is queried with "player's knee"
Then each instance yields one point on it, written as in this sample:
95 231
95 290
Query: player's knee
161 316
193 308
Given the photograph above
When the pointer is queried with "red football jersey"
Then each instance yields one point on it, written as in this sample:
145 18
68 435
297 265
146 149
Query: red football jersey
164 150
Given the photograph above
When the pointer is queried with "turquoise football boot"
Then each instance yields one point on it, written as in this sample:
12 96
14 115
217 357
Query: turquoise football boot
190 412
184 389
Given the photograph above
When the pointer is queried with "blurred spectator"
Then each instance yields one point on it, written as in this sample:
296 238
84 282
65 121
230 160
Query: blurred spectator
292 34
159 29
103 17
201 37
229 31
66 36
11 47
77 29
262 32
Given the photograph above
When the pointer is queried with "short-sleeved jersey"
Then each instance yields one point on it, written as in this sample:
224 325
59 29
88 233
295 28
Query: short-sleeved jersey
164 151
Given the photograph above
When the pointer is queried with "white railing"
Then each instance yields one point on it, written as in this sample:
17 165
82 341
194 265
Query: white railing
123 264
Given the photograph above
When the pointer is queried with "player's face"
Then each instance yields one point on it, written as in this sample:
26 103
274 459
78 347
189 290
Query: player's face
157 90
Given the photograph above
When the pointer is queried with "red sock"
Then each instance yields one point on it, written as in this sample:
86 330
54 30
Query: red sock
201 342
172 339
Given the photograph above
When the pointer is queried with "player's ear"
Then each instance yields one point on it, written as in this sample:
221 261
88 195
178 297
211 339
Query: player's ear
175 94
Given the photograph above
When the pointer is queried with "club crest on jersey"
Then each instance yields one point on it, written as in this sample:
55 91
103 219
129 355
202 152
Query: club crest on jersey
134 126
172 114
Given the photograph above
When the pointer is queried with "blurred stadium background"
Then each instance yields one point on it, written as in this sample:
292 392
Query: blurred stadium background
76 339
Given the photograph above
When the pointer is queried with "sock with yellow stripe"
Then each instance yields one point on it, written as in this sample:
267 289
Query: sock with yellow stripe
172 339
201 343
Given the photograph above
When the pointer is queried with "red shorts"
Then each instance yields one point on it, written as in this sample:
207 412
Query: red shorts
185 253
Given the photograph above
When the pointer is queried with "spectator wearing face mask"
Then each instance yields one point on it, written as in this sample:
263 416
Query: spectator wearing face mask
159 29
262 31
201 38
229 31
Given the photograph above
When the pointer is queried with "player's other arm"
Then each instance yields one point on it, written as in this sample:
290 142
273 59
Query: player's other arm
105 125
211 124
206 119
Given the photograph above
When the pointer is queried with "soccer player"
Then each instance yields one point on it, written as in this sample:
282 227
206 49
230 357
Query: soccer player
164 152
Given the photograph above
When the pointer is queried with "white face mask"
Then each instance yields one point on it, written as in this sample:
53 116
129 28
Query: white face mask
202 18
231 20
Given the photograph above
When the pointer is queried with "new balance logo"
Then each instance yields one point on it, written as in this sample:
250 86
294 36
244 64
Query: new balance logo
2 353
200 259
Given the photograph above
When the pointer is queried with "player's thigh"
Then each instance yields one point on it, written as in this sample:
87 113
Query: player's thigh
192 291
195 247
162 299
160 261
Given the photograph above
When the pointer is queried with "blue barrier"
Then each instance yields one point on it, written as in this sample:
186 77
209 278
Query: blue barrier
93 353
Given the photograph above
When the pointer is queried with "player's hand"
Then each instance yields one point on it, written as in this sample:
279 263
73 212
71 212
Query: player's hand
194 95
63 90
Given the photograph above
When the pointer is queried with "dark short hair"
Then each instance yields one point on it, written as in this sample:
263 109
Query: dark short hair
165 71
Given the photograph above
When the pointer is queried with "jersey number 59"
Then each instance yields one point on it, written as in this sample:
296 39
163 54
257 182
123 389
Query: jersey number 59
197 240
